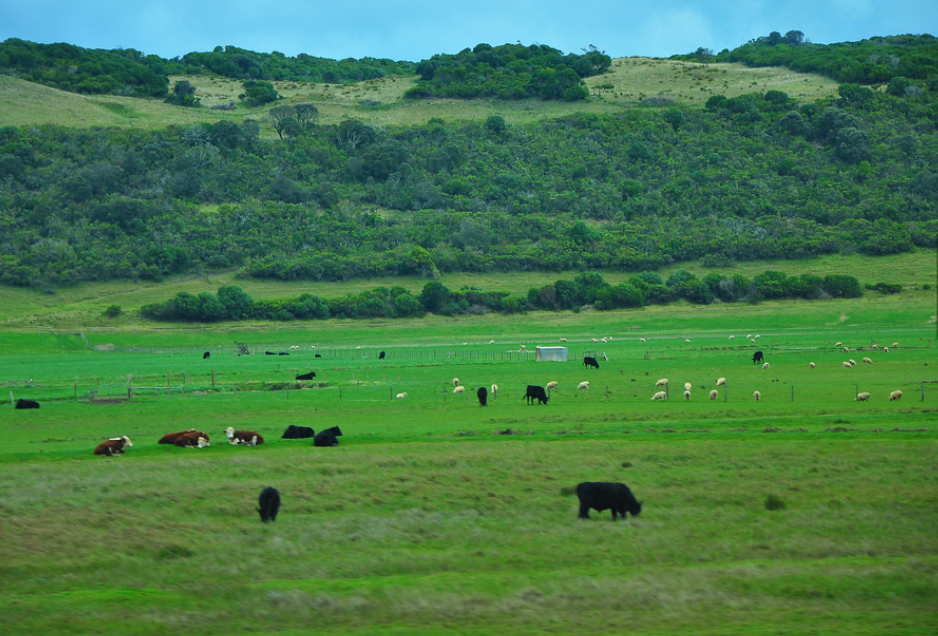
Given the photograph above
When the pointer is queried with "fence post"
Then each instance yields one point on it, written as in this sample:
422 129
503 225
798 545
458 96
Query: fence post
213 378
792 392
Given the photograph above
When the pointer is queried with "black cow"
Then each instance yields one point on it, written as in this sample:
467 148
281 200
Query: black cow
536 393
27 404
298 432
270 504
318 356
306 376
270 353
590 362
206 355
602 495
483 395
283 353
757 357
381 356
327 437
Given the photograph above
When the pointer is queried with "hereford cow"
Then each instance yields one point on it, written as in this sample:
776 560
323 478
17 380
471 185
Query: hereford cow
757 357
327 437
270 504
187 438
306 376
536 393
27 404
113 446
603 495
298 432
590 362
247 438
483 395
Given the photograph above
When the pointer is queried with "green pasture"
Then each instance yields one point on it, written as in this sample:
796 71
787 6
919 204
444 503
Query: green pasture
805 512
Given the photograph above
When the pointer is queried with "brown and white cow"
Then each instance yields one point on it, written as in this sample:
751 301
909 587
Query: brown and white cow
113 446
187 438
247 438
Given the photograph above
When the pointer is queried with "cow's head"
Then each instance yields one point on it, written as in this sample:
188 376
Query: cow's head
203 442
636 508
229 432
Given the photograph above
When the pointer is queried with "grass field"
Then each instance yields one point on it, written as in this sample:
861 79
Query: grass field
380 102
805 512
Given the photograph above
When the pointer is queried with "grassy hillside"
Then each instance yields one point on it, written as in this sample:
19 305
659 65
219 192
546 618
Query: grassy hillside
631 80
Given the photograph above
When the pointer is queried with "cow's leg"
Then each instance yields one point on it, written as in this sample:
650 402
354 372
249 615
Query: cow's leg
584 511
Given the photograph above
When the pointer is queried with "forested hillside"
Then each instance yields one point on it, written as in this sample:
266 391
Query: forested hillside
756 176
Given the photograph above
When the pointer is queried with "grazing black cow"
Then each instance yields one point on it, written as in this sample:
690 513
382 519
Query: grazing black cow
381 356
306 376
757 357
26 404
318 356
536 393
483 395
590 362
327 437
270 504
602 495
206 355
298 432
270 353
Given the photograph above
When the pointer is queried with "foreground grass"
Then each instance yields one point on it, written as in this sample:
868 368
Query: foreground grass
806 512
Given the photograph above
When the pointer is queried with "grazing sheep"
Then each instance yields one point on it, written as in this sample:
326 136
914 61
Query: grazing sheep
595 340
641 340
852 362
660 395
765 365
563 340
583 385
895 396
687 396
732 337
687 386
838 344
551 385
713 394
862 397
400 396
749 335
895 344
756 337
494 390
885 349
721 381
687 340
459 389
867 361
455 381
846 349
811 364
756 396
662 382
847 365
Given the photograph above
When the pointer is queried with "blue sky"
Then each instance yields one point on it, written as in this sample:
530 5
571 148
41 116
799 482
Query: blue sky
417 29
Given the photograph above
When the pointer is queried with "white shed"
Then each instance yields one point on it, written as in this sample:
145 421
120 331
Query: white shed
550 354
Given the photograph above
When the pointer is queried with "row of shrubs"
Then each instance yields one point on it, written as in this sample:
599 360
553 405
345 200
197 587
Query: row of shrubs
586 289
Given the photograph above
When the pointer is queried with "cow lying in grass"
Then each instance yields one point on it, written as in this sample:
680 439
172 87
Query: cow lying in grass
605 495
246 438
26 404
113 446
327 437
188 439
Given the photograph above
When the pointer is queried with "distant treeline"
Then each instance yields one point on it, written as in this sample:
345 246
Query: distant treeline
586 289
878 60
757 176
509 71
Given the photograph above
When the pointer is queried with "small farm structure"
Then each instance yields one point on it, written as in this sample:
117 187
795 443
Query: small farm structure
551 354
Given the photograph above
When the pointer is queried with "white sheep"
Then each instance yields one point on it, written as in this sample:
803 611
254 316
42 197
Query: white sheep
721 381
811 364
687 386
595 340
847 365
765 365
455 381
895 344
687 340
732 337
459 389
641 340
551 385
660 395
756 337
852 362
846 349
756 396
713 394
838 344
867 361
563 340
687 396
400 396
583 385
862 397
895 395
749 335
662 382
885 349
494 390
